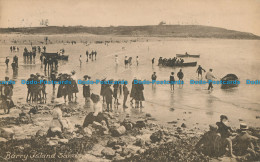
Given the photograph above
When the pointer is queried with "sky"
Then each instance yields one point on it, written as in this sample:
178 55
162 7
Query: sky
241 15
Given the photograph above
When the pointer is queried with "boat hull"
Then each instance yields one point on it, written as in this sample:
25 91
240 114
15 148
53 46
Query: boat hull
184 55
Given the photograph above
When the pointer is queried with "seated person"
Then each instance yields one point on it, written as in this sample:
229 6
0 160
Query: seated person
97 115
206 143
225 133
243 143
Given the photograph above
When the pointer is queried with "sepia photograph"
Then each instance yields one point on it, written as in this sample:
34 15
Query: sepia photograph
129 80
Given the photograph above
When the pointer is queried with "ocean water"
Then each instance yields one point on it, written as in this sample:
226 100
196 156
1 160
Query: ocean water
190 104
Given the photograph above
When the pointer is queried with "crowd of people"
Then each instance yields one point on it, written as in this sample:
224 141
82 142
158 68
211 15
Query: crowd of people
14 49
90 55
169 62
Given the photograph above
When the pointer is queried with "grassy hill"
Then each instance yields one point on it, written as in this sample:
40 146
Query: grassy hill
184 31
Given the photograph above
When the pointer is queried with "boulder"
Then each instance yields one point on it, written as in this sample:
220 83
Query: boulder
127 124
183 125
7 133
157 136
140 124
87 132
108 152
118 131
3 139
111 142
140 142
40 133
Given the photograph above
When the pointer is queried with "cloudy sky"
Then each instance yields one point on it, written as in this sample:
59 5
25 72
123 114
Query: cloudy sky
242 15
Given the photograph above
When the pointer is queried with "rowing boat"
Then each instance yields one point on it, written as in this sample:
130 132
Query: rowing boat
187 55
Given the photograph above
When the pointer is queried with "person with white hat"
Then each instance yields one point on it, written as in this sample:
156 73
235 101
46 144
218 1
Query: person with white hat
56 126
243 143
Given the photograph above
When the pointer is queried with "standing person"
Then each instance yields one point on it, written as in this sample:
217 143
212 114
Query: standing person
115 95
45 62
199 71
137 60
13 67
126 93
154 77
180 75
153 61
29 88
172 81
133 91
53 78
116 59
87 55
92 55
11 49
139 95
95 54
80 60
7 61
86 90
108 96
102 89
15 59
209 76
7 97
74 84
44 49
126 61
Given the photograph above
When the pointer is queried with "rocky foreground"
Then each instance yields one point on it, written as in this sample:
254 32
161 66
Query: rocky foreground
125 138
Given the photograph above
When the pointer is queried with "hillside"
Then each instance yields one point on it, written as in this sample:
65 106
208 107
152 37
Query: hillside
183 31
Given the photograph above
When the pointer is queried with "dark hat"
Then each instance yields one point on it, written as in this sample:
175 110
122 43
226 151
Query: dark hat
32 75
6 78
223 117
86 76
243 126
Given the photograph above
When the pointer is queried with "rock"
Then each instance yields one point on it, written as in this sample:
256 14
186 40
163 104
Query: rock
118 131
118 158
141 151
96 150
140 124
157 136
53 142
126 151
173 122
179 130
111 142
120 142
87 132
64 141
99 127
148 115
40 133
108 152
116 147
3 139
127 124
7 133
183 125
140 142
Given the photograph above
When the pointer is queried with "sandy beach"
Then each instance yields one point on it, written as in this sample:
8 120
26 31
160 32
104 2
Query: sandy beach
192 105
